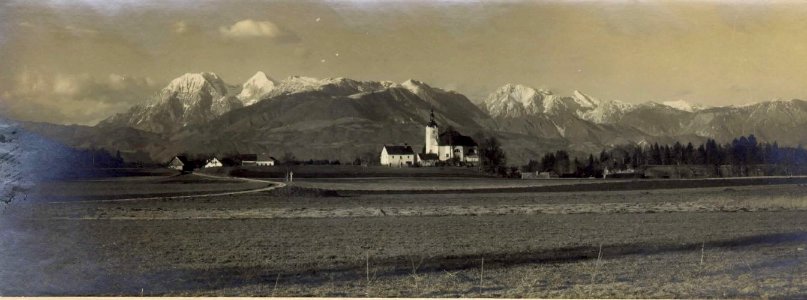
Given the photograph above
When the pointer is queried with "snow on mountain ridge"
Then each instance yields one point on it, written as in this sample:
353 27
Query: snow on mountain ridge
193 89
585 100
185 86
515 100
608 111
192 98
683 105
255 87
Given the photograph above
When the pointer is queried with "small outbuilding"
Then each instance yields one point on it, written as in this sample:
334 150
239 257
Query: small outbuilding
213 163
178 163
263 160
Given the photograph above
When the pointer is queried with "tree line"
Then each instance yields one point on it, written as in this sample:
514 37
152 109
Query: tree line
740 153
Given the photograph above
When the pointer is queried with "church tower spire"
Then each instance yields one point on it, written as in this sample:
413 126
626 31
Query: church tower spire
432 123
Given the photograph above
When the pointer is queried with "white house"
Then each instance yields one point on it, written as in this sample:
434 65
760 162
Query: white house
177 163
397 156
258 160
213 163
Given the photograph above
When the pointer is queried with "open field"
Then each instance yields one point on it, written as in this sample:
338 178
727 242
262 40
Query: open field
726 241
432 184
347 171
140 186
474 185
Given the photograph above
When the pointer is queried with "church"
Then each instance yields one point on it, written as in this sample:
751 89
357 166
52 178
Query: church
448 147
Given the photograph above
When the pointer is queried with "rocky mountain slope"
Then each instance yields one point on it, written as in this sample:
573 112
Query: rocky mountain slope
588 123
334 118
341 118
193 98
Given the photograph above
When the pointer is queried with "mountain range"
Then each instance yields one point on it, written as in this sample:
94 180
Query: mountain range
341 118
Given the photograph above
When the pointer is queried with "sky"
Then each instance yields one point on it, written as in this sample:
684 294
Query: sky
80 61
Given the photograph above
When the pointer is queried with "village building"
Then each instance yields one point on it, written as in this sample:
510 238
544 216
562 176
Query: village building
397 156
427 159
262 160
539 175
450 145
213 163
178 163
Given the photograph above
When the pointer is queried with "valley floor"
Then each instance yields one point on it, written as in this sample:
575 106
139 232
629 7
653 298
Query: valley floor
713 241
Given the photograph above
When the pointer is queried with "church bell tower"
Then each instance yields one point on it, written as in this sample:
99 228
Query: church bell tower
431 135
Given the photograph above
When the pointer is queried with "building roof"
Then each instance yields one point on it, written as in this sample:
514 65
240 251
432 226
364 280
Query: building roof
399 150
428 156
181 158
256 157
248 157
265 157
454 138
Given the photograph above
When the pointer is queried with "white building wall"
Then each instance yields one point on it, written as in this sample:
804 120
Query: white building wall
444 153
448 152
402 160
431 139
265 163
384 157
396 160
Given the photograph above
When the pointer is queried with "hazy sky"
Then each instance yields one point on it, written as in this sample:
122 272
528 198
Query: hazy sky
80 61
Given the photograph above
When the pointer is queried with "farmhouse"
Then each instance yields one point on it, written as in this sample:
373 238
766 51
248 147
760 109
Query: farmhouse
397 156
257 160
178 162
212 163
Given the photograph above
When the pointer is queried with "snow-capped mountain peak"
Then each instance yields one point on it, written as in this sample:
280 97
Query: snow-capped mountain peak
683 105
585 100
255 87
188 99
411 83
195 82
605 111
515 100
416 87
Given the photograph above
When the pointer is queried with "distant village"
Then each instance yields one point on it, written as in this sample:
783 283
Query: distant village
185 163
449 148
744 156
446 148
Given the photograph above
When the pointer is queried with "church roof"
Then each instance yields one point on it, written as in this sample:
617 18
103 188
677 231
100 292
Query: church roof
178 160
428 156
399 150
454 138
